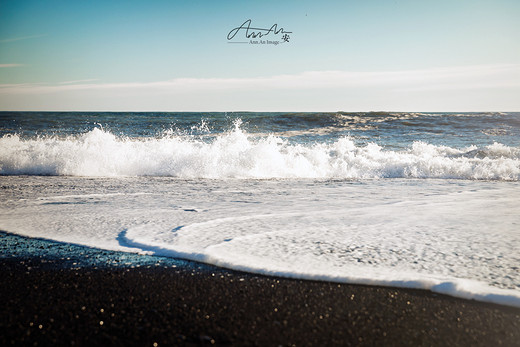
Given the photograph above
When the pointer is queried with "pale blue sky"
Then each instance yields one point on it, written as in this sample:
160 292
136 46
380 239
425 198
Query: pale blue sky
130 55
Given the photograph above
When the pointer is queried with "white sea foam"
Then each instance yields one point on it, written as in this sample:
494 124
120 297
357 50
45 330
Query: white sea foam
237 154
456 237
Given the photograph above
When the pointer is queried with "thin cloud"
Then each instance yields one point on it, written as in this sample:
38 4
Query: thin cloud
79 81
13 39
453 78
10 65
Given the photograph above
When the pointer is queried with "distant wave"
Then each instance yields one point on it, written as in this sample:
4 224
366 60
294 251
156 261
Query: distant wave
238 154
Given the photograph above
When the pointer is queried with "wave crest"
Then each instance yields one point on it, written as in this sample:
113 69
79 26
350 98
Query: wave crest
237 154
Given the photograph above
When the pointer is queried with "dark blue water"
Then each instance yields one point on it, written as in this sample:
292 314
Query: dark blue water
66 255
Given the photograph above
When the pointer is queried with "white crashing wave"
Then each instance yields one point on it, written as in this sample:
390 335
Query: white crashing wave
237 154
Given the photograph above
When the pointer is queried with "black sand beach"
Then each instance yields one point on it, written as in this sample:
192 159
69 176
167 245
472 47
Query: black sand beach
50 301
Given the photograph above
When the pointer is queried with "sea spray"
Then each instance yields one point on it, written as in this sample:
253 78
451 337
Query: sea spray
238 154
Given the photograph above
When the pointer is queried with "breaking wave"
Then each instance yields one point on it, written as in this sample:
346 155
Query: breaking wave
238 154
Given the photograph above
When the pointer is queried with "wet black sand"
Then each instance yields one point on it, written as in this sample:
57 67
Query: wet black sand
48 300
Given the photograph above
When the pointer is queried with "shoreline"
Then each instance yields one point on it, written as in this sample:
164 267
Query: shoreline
48 300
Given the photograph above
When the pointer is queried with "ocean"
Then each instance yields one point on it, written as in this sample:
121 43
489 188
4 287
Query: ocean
418 200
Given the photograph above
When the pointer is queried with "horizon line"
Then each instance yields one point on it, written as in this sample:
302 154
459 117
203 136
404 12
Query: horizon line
252 111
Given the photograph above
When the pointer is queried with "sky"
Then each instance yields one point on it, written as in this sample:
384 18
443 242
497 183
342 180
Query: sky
353 55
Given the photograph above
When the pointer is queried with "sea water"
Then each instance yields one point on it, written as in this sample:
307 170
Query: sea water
416 200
